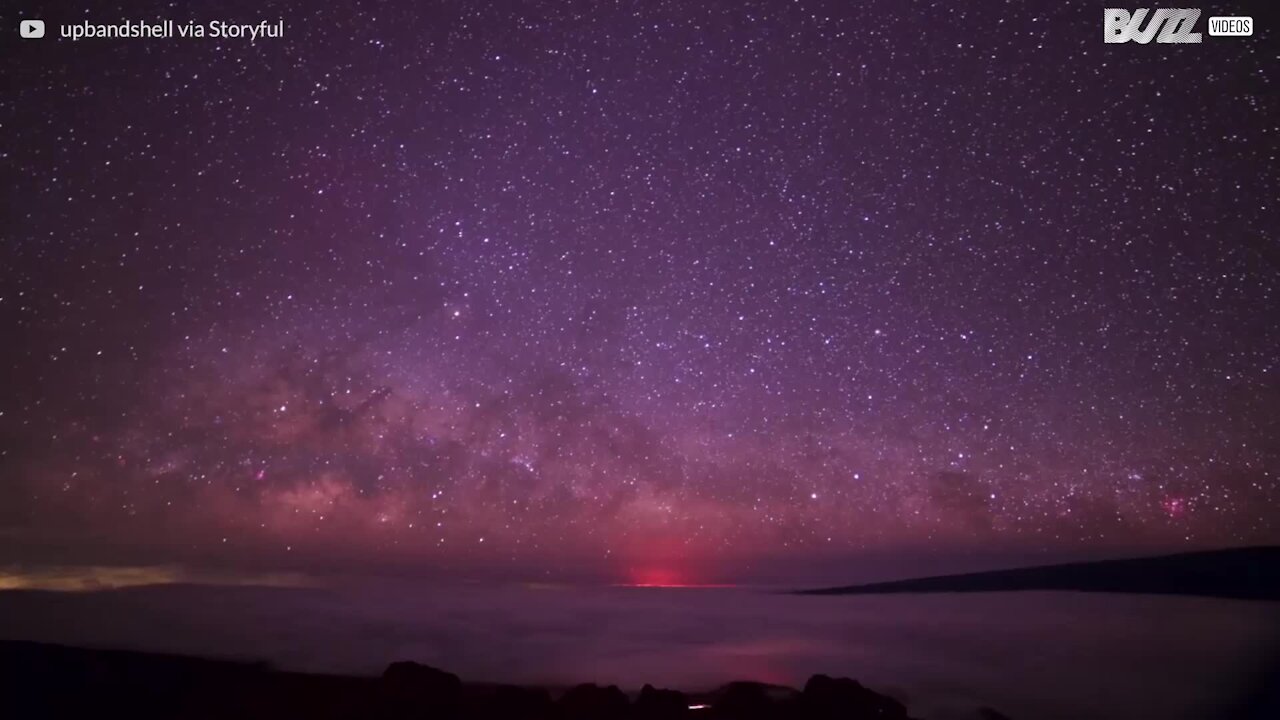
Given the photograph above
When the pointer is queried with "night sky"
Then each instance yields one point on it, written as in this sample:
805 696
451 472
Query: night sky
658 292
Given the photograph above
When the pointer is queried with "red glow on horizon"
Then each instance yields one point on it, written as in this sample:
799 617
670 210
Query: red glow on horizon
663 577
656 577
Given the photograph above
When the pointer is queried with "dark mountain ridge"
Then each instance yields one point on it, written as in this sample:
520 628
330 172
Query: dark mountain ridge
1251 573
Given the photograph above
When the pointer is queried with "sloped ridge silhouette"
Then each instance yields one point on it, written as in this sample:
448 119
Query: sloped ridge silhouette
1239 573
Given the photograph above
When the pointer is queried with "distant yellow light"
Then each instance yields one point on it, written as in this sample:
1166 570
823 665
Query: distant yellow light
87 578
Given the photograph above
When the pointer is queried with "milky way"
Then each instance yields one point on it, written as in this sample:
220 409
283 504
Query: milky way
654 289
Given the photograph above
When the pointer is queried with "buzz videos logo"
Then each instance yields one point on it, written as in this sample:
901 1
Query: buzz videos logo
1173 24
1168 25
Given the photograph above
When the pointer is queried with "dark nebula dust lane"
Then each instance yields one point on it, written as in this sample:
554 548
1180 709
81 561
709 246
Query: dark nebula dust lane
657 292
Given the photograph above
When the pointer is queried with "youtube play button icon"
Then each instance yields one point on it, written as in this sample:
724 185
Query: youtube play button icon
31 29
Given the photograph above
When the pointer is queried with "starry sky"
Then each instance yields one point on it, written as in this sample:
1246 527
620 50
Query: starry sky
659 292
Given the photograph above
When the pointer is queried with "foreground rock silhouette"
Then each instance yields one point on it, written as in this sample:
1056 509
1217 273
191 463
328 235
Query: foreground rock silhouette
50 681
655 704
420 690
587 702
831 698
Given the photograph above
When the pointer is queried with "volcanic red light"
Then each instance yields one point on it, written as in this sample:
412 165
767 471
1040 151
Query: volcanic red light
657 577
665 577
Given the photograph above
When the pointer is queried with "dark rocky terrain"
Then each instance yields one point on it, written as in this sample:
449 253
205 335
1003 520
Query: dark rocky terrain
53 681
